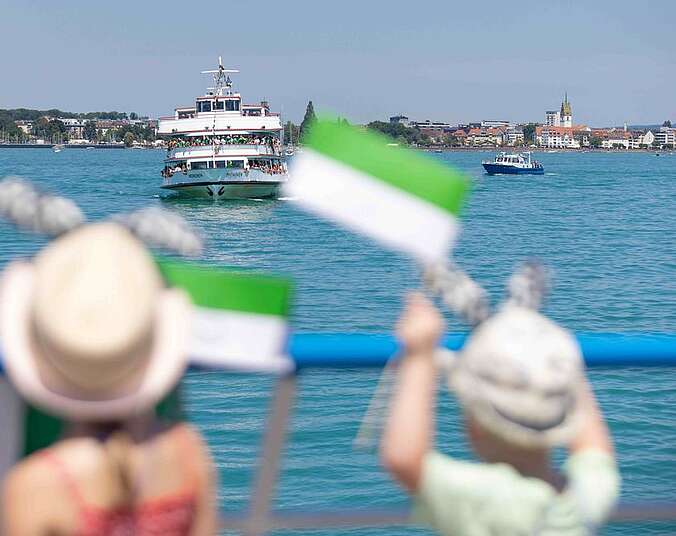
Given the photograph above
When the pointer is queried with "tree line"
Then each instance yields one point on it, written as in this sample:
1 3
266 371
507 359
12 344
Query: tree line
28 114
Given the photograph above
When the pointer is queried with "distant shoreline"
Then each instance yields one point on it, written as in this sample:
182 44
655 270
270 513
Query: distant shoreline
65 145
424 149
539 150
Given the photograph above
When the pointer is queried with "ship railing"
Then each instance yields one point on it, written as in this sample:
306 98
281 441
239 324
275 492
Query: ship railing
224 149
368 351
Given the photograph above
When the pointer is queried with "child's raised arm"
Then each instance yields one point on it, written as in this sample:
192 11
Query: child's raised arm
409 430
593 432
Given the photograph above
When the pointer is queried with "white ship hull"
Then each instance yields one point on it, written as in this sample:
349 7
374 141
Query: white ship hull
223 148
223 184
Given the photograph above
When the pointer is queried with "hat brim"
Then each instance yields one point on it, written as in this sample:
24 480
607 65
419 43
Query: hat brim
476 400
165 364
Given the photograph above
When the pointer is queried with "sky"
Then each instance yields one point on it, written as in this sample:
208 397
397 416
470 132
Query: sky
364 60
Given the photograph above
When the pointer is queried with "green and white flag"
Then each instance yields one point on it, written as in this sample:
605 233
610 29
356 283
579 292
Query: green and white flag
397 196
240 319
239 322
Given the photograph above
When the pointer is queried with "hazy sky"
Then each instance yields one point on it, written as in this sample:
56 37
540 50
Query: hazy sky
448 60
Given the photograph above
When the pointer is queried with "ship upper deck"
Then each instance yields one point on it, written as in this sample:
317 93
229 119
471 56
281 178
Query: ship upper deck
220 111
219 122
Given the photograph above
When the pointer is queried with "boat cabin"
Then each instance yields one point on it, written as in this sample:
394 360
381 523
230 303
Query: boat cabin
504 158
218 103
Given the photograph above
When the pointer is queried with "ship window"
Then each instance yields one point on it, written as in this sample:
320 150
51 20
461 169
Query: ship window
220 163
206 106
199 165
235 163
219 105
232 105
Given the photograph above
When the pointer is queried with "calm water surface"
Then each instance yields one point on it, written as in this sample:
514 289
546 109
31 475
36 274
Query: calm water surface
605 223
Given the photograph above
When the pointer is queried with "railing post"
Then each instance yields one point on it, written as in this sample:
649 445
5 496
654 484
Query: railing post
268 468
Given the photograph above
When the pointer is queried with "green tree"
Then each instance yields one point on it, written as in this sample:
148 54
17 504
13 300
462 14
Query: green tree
308 120
451 140
89 131
128 139
133 116
291 132
667 123
56 130
529 134
40 127
396 130
595 142
9 129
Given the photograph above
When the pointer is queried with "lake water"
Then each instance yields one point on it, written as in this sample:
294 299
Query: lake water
605 224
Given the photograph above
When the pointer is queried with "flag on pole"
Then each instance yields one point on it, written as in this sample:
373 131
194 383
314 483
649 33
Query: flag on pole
397 196
239 320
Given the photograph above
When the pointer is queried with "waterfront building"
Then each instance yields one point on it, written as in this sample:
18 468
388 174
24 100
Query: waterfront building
566 113
552 118
666 138
74 127
556 137
513 136
495 123
435 130
485 136
617 139
647 139
25 126
400 119
562 117
461 136
432 127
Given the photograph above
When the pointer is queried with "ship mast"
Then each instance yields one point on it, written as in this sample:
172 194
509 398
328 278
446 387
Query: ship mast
221 79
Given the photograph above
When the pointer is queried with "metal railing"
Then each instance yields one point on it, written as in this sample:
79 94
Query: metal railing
336 350
357 351
224 149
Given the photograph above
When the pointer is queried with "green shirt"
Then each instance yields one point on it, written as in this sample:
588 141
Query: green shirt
460 498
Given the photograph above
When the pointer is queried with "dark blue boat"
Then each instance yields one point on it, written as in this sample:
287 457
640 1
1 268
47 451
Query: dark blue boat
513 164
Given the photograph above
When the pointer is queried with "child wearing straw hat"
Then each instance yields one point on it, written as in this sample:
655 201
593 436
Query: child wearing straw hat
90 334
520 380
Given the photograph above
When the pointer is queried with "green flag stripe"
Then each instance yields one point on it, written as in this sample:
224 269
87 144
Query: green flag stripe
218 288
403 168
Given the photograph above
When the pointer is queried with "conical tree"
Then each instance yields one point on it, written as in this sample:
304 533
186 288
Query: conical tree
308 120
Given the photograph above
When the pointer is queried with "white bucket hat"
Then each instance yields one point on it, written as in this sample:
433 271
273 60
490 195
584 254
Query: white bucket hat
88 331
520 375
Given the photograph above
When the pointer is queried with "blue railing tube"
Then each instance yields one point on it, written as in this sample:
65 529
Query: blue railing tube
373 350
361 350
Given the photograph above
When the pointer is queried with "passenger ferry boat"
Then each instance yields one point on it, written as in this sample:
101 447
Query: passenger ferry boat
513 164
221 148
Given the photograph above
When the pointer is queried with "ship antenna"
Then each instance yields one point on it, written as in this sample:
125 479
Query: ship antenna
221 78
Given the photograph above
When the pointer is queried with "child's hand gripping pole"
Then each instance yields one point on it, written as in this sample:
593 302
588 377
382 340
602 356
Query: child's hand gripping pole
461 295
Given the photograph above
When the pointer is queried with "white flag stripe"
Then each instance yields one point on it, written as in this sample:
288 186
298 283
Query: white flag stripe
237 340
365 204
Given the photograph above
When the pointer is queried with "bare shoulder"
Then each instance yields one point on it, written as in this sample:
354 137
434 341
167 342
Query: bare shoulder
31 478
31 471
191 443
187 436
27 474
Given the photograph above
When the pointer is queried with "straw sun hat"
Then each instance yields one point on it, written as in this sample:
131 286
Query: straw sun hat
88 330
520 376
